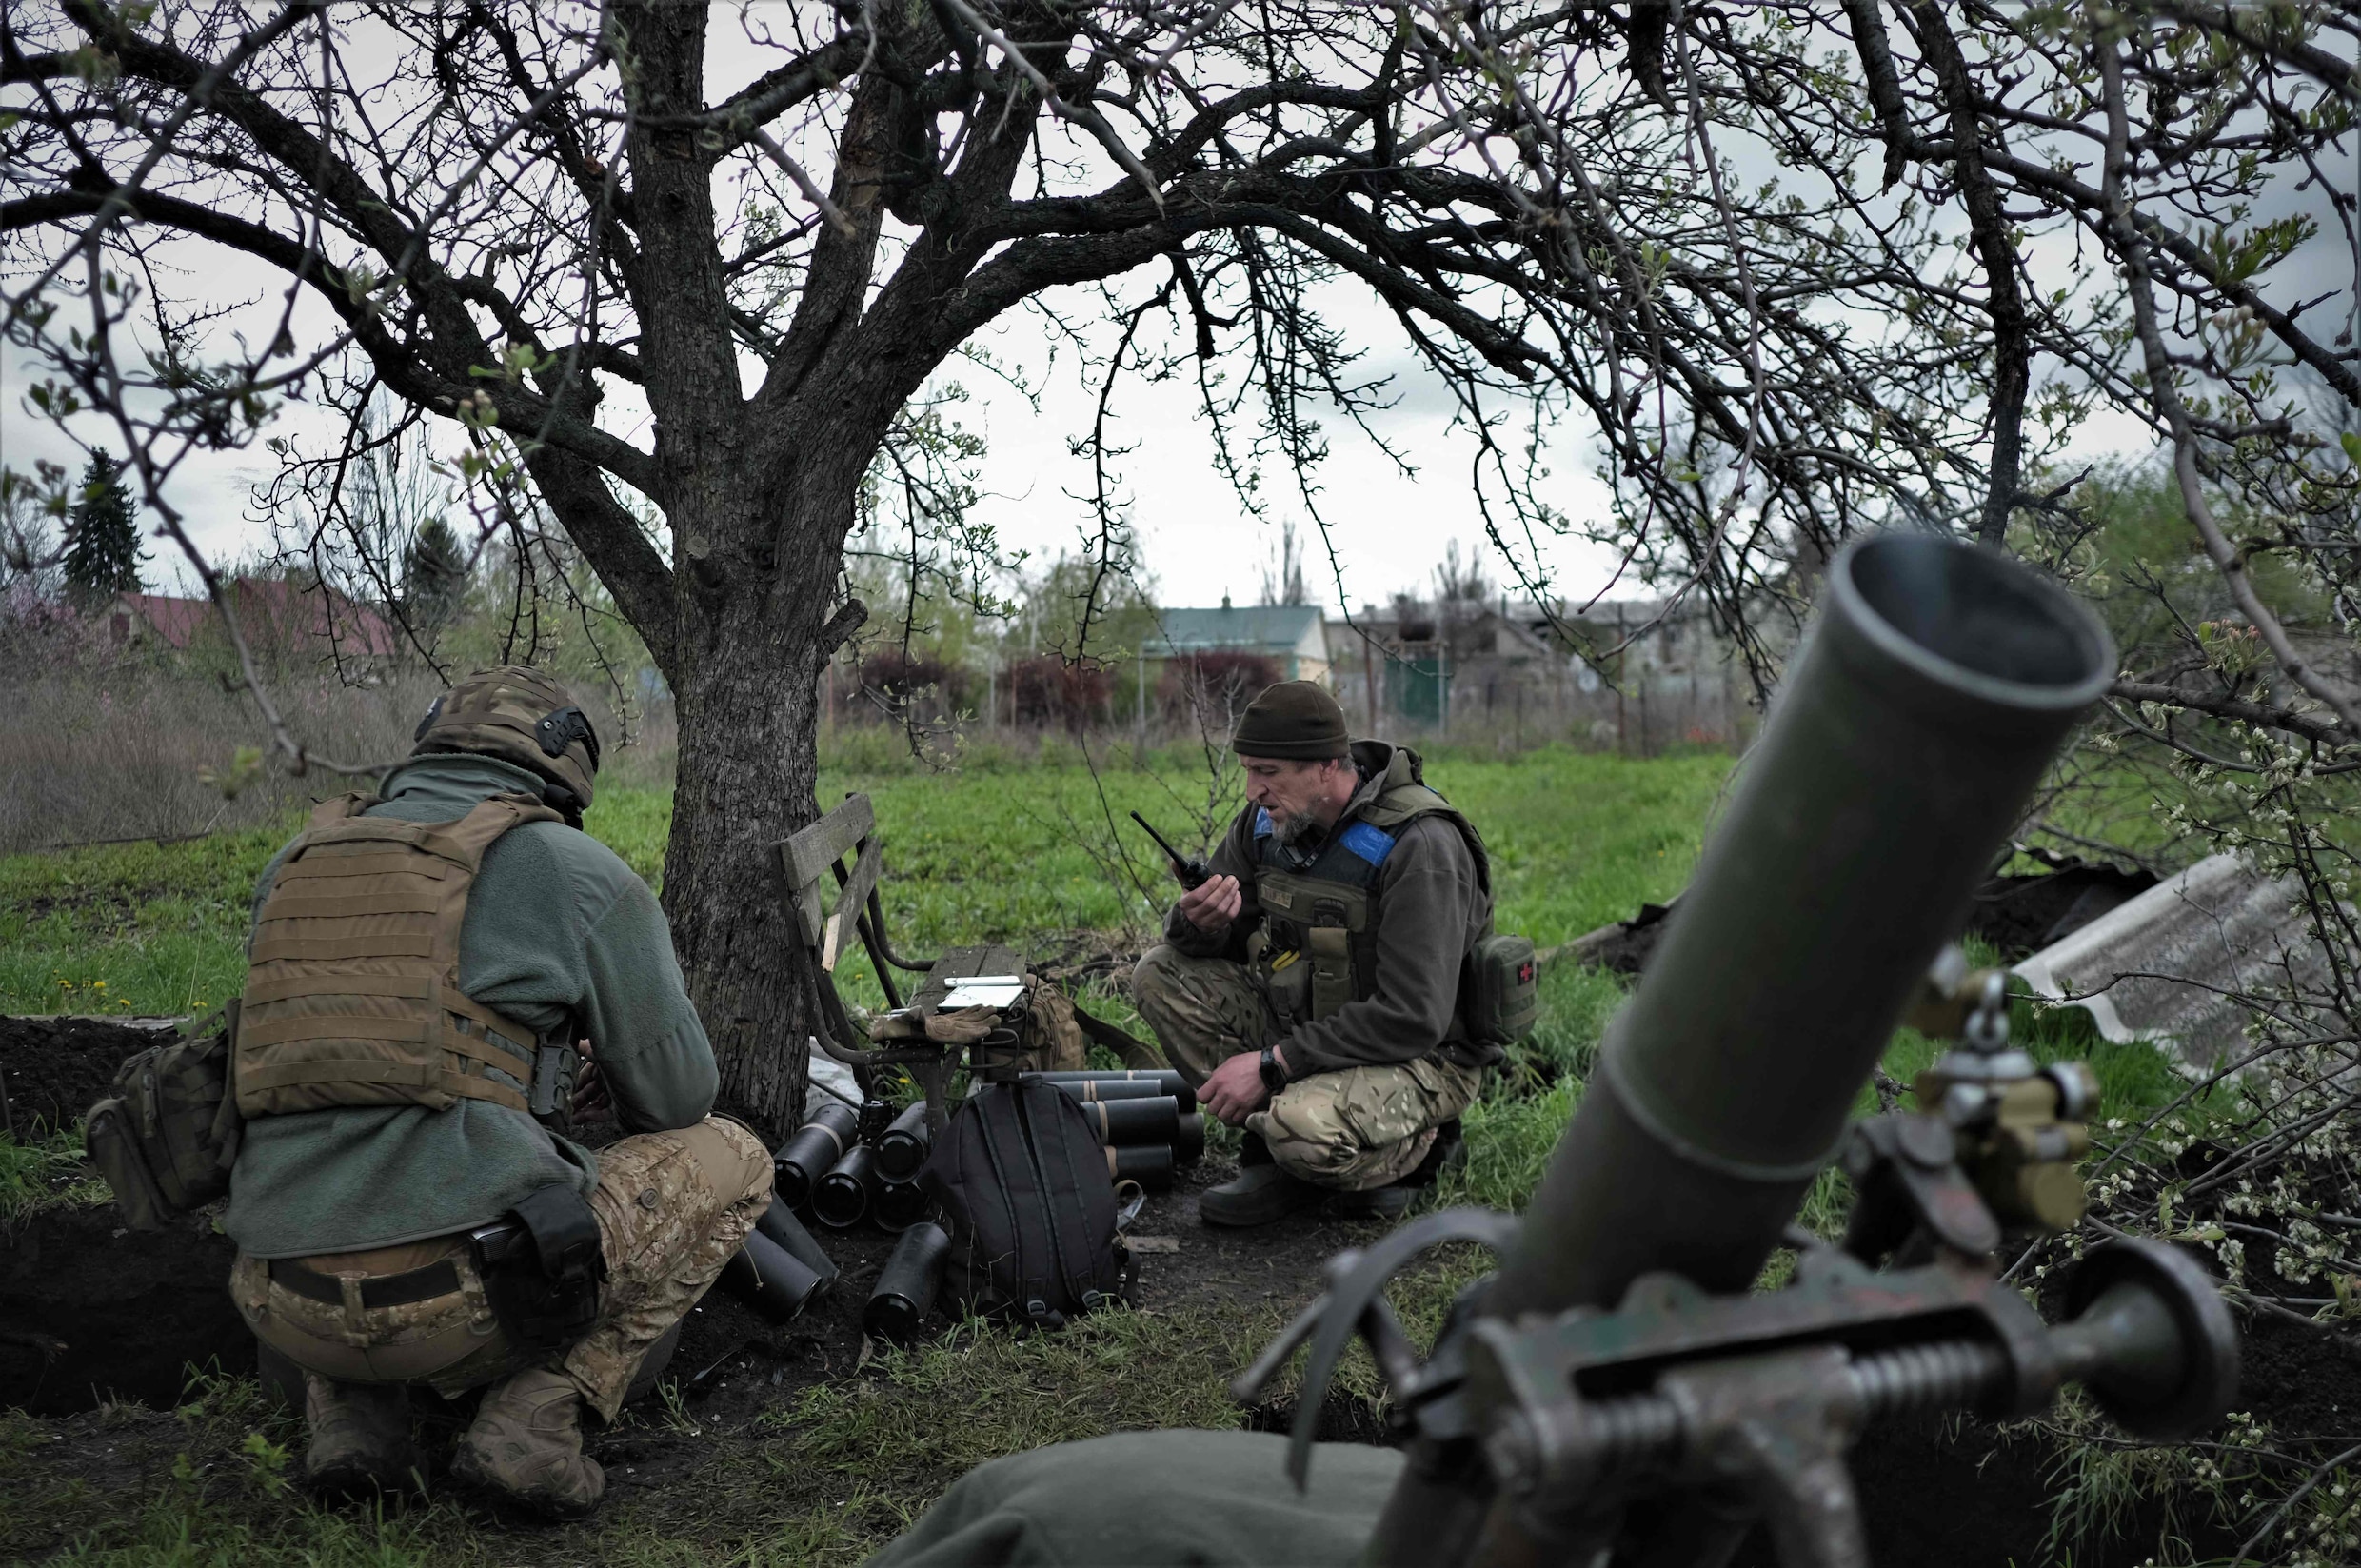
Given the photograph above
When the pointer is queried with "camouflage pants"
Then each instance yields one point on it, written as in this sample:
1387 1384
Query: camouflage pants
671 1207
1351 1129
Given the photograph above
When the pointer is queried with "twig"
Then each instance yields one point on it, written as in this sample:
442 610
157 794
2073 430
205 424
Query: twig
2286 1504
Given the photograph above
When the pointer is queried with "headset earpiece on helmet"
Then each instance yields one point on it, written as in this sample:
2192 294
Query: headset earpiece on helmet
561 729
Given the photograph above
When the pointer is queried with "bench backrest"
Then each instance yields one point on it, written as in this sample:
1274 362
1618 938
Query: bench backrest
809 859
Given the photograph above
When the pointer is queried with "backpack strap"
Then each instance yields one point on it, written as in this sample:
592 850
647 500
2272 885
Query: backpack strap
1002 1131
1061 1198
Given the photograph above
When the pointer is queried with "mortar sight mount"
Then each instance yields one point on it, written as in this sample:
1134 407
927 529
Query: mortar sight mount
1658 1432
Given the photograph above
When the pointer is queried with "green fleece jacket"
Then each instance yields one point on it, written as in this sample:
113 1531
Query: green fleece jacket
559 934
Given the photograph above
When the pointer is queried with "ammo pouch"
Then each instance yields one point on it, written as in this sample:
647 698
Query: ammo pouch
1332 917
541 1267
1500 990
168 1134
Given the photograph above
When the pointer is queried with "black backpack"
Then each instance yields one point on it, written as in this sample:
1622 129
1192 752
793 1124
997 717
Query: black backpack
1023 1186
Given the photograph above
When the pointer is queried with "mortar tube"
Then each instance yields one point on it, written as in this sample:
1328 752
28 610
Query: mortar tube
1188 1141
780 1224
905 1287
1124 1122
898 1205
902 1147
804 1159
769 1278
1938 680
843 1196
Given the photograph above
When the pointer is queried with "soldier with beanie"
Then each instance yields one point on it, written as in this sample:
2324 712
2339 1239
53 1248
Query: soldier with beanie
1311 986
428 966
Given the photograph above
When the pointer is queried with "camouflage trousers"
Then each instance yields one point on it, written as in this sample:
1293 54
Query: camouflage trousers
1350 1129
671 1207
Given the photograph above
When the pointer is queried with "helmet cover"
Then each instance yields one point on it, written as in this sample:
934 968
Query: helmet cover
523 717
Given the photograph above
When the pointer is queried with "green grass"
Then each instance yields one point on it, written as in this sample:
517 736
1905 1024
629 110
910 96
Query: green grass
50 1169
989 854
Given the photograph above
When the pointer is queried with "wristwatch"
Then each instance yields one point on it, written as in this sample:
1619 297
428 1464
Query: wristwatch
1274 1075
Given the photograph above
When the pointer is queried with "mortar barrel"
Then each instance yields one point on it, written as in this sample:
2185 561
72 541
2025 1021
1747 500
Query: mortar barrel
902 1147
906 1286
1124 1122
843 1197
898 1205
804 1159
780 1224
1937 682
768 1277
1150 1164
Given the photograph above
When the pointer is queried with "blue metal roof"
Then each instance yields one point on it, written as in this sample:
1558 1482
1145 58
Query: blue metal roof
1258 628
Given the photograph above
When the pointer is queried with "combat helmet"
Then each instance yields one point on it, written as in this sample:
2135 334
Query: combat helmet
521 715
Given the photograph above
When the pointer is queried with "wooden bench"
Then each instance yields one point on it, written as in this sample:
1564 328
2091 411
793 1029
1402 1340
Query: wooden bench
844 848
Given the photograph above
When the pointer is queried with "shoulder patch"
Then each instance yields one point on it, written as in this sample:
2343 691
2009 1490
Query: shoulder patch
1262 823
1371 844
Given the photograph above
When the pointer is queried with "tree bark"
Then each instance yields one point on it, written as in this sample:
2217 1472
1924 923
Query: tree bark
747 697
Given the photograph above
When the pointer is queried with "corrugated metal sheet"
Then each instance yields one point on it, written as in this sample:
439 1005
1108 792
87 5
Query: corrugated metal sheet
2157 967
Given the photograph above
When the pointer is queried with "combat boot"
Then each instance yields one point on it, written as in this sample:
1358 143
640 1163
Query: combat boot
524 1448
1259 1193
360 1446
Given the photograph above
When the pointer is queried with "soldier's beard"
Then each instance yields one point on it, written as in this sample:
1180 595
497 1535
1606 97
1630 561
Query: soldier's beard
1292 831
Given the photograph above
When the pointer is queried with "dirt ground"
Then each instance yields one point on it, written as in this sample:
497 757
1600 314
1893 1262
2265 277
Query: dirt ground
133 1310
51 1069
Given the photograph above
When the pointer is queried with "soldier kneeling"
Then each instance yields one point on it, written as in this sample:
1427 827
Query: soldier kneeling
424 965
1312 985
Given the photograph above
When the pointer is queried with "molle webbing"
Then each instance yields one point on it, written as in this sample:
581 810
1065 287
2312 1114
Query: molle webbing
1328 910
352 994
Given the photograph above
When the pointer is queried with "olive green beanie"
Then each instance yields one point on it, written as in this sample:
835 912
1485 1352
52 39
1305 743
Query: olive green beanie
1294 720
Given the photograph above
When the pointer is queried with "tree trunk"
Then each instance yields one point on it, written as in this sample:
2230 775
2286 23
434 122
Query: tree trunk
751 652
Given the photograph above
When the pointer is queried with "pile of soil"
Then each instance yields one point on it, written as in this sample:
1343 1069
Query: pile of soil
53 1069
2018 915
2022 915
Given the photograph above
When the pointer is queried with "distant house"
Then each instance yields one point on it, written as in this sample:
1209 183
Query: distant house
1290 636
276 615
1474 666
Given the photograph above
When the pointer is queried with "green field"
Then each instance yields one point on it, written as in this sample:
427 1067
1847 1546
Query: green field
984 855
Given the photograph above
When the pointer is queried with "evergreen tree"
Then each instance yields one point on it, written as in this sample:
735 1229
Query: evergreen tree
435 576
103 551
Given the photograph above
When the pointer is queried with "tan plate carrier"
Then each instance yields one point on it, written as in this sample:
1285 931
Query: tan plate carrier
352 994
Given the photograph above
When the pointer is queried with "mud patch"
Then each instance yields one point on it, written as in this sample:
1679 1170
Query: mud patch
133 1310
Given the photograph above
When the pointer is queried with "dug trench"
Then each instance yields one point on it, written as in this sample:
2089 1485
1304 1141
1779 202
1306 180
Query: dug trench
96 1321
